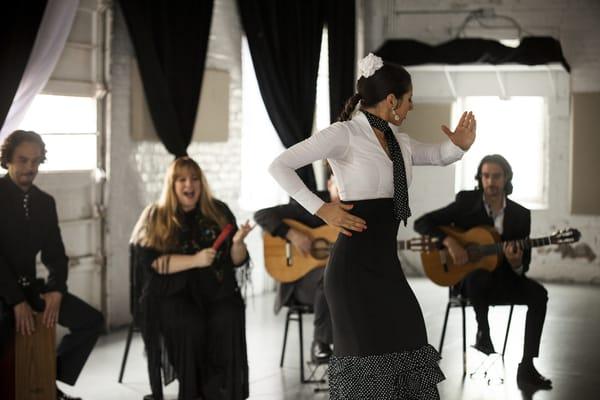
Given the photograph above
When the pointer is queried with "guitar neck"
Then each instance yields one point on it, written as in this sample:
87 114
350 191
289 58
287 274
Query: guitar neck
403 245
497 248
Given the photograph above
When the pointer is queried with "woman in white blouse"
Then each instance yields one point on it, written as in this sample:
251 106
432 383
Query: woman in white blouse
380 341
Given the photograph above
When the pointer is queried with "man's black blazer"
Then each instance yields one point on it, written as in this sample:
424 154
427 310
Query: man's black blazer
468 211
25 232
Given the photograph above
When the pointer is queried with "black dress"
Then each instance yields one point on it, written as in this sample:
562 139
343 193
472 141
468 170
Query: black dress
381 350
193 322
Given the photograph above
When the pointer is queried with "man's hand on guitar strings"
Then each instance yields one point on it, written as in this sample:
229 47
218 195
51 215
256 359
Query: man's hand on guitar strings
514 253
301 241
457 252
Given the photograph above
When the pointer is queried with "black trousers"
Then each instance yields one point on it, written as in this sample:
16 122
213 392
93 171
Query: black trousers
85 324
502 286
309 290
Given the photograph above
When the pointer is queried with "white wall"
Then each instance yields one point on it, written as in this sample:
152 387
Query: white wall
576 25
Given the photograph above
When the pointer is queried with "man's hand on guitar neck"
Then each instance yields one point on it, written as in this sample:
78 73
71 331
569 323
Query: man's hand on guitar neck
514 254
300 240
457 252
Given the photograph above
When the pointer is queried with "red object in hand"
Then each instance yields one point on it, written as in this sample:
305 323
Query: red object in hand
222 236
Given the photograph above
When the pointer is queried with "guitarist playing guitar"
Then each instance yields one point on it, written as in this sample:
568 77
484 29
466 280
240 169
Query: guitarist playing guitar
489 205
308 289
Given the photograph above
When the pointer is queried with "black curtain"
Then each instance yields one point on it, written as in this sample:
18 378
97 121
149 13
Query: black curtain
284 39
18 31
170 38
531 51
341 31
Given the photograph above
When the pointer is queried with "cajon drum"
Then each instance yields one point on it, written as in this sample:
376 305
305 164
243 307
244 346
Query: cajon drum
35 363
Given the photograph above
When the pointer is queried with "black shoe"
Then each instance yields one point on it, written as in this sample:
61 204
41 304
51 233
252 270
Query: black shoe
63 396
528 375
483 343
320 352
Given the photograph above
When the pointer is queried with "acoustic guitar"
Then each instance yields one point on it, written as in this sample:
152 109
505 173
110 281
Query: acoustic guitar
286 264
484 249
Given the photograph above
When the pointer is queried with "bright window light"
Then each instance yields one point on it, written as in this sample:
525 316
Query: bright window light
515 129
61 114
69 152
260 142
322 101
68 125
510 42
322 105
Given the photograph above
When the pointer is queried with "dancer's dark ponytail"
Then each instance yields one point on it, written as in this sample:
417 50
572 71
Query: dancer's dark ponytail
351 103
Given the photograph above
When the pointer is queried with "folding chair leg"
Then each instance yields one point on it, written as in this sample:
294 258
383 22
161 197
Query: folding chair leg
285 334
444 329
507 329
464 344
302 379
126 353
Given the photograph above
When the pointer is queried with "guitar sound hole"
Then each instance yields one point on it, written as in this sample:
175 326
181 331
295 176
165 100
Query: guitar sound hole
320 249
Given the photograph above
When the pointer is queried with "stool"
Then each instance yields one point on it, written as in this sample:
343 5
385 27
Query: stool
456 299
295 313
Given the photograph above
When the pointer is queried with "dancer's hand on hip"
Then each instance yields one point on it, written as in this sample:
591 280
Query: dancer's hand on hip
336 214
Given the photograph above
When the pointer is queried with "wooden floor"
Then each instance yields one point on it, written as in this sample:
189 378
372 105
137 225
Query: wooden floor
570 352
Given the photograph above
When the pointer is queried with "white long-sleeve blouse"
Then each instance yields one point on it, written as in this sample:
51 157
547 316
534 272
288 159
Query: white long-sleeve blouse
361 166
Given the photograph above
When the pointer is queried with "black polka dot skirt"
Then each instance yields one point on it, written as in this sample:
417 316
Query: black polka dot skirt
380 342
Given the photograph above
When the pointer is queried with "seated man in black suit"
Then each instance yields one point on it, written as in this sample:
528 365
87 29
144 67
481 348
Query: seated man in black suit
309 289
30 226
489 205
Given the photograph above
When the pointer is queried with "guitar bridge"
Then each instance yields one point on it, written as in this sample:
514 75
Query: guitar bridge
444 260
288 254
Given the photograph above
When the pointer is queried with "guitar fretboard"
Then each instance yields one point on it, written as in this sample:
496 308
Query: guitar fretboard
495 248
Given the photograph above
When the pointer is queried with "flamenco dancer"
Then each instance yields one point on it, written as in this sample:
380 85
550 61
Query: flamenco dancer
379 336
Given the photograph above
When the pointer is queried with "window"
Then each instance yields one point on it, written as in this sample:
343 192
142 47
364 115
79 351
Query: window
260 142
515 129
322 105
68 125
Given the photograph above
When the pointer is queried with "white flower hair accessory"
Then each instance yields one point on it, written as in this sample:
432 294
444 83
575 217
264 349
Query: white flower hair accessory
368 65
